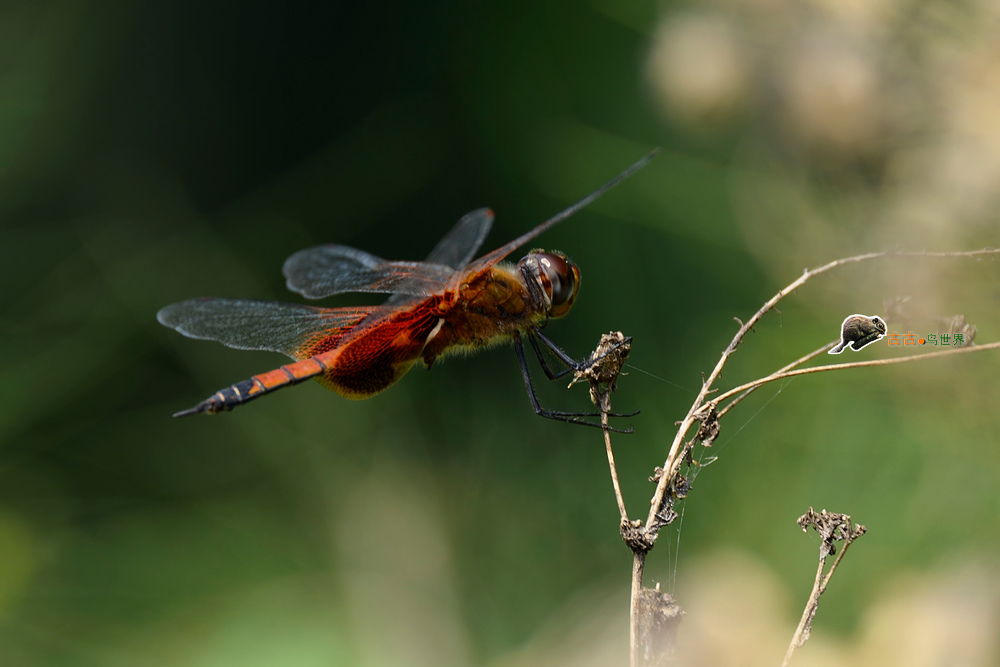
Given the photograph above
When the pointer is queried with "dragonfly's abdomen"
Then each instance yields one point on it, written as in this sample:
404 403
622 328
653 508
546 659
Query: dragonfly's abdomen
243 392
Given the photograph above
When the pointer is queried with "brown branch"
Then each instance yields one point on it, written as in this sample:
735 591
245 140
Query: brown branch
798 362
634 612
832 527
605 408
654 615
699 407
600 371
779 375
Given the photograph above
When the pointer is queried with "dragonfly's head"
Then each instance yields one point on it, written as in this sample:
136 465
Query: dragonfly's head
552 279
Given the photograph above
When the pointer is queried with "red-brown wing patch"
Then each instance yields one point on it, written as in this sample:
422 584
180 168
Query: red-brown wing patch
369 360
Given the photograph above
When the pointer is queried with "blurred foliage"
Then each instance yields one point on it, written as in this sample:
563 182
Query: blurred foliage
155 151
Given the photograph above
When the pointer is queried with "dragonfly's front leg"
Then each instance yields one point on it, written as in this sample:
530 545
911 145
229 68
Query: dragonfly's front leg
568 417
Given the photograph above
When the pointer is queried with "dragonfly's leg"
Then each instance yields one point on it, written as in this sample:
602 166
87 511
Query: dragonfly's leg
549 373
568 417
571 364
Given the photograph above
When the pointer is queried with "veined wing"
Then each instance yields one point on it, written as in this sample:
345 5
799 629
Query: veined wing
333 269
261 325
326 270
460 244
456 249
492 258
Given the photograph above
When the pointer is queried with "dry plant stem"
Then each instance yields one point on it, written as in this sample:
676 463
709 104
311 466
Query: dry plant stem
807 614
674 457
798 362
846 532
833 568
601 373
638 560
700 410
838 367
605 408
637 556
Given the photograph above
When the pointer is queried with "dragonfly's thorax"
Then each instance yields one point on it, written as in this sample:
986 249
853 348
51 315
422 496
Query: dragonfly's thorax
490 307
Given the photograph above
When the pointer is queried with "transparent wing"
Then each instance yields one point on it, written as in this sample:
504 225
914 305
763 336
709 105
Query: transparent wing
326 270
456 249
491 258
261 325
459 245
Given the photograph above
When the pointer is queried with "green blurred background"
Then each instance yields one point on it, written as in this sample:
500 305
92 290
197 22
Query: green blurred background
156 151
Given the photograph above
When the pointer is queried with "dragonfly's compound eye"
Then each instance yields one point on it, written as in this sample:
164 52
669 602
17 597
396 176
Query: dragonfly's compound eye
560 279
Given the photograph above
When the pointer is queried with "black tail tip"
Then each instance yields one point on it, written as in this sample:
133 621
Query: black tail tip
209 405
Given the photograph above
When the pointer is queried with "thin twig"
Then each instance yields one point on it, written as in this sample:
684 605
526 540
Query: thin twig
601 372
832 527
798 362
839 367
605 408
677 448
807 615
833 568
638 560
641 537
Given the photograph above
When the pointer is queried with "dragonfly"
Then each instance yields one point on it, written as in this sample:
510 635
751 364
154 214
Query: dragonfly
449 303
